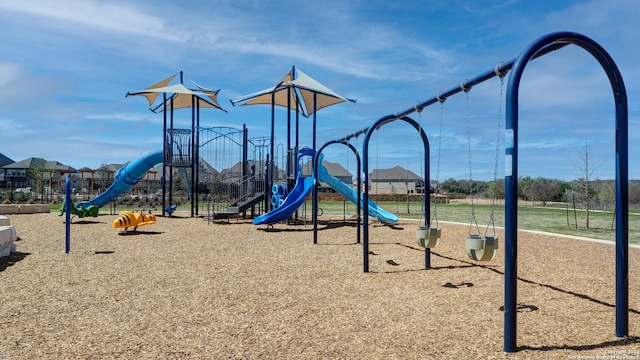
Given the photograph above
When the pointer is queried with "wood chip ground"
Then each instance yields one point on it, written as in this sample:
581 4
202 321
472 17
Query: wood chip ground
185 288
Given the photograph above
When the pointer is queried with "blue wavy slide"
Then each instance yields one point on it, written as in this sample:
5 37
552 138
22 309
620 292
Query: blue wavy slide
351 194
126 178
304 186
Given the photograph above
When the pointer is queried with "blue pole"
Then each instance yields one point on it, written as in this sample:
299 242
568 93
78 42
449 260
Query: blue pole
511 177
271 163
315 189
67 215
365 169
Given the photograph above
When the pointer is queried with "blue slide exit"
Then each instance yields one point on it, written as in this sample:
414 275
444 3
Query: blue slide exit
126 178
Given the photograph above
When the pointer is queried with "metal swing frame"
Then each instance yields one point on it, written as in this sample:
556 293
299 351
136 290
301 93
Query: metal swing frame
540 47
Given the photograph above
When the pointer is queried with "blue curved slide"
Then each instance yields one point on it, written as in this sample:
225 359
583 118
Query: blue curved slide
304 186
296 197
351 194
126 178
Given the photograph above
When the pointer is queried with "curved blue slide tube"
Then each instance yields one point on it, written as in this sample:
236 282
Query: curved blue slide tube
351 194
126 178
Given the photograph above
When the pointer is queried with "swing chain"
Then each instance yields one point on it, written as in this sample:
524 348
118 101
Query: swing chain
495 168
435 202
473 211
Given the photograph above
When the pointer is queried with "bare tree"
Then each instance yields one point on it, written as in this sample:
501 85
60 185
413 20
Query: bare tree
586 173
104 177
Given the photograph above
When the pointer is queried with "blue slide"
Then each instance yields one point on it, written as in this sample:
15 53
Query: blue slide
296 197
304 186
351 194
126 178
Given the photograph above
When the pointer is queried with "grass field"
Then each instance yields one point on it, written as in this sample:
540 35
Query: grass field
549 219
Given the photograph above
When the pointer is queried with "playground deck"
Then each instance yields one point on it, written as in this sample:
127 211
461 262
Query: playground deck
182 288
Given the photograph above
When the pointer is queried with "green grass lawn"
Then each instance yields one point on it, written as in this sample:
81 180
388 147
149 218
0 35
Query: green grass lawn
548 219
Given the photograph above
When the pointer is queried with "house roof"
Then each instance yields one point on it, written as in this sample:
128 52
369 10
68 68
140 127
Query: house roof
334 169
5 160
396 173
34 162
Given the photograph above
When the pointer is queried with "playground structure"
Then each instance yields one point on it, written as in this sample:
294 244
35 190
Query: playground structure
426 235
542 46
235 182
299 92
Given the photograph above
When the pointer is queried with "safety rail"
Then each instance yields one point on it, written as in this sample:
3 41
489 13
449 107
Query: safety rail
234 197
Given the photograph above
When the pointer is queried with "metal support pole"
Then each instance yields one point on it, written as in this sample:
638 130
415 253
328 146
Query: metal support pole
511 177
365 169
164 152
314 211
67 215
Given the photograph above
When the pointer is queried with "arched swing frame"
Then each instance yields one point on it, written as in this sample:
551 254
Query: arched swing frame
346 143
365 169
511 179
542 46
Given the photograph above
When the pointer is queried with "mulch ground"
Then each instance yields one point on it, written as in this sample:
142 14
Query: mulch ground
186 288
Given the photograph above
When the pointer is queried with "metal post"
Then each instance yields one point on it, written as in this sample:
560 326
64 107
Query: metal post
315 190
511 175
67 215
164 151
270 163
365 169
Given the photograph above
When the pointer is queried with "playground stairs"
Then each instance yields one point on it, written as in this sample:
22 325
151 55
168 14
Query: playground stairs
241 205
8 237
246 203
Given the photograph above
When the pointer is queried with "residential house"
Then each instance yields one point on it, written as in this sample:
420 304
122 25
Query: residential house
35 172
334 169
397 180
3 162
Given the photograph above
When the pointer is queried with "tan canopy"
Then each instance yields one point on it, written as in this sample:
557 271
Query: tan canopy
301 88
180 96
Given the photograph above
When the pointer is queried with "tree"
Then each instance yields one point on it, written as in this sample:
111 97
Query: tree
546 190
495 189
634 193
105 176
586 173
450 186
607 194
36 177
526 188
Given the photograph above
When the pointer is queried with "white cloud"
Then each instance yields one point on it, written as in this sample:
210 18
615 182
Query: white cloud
118 17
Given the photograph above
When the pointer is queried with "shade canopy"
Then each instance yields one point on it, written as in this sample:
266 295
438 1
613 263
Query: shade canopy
180 96
301 88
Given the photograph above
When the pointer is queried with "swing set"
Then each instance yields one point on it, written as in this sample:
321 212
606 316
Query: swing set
484 247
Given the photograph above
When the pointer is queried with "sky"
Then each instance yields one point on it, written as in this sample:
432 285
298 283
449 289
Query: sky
67 66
